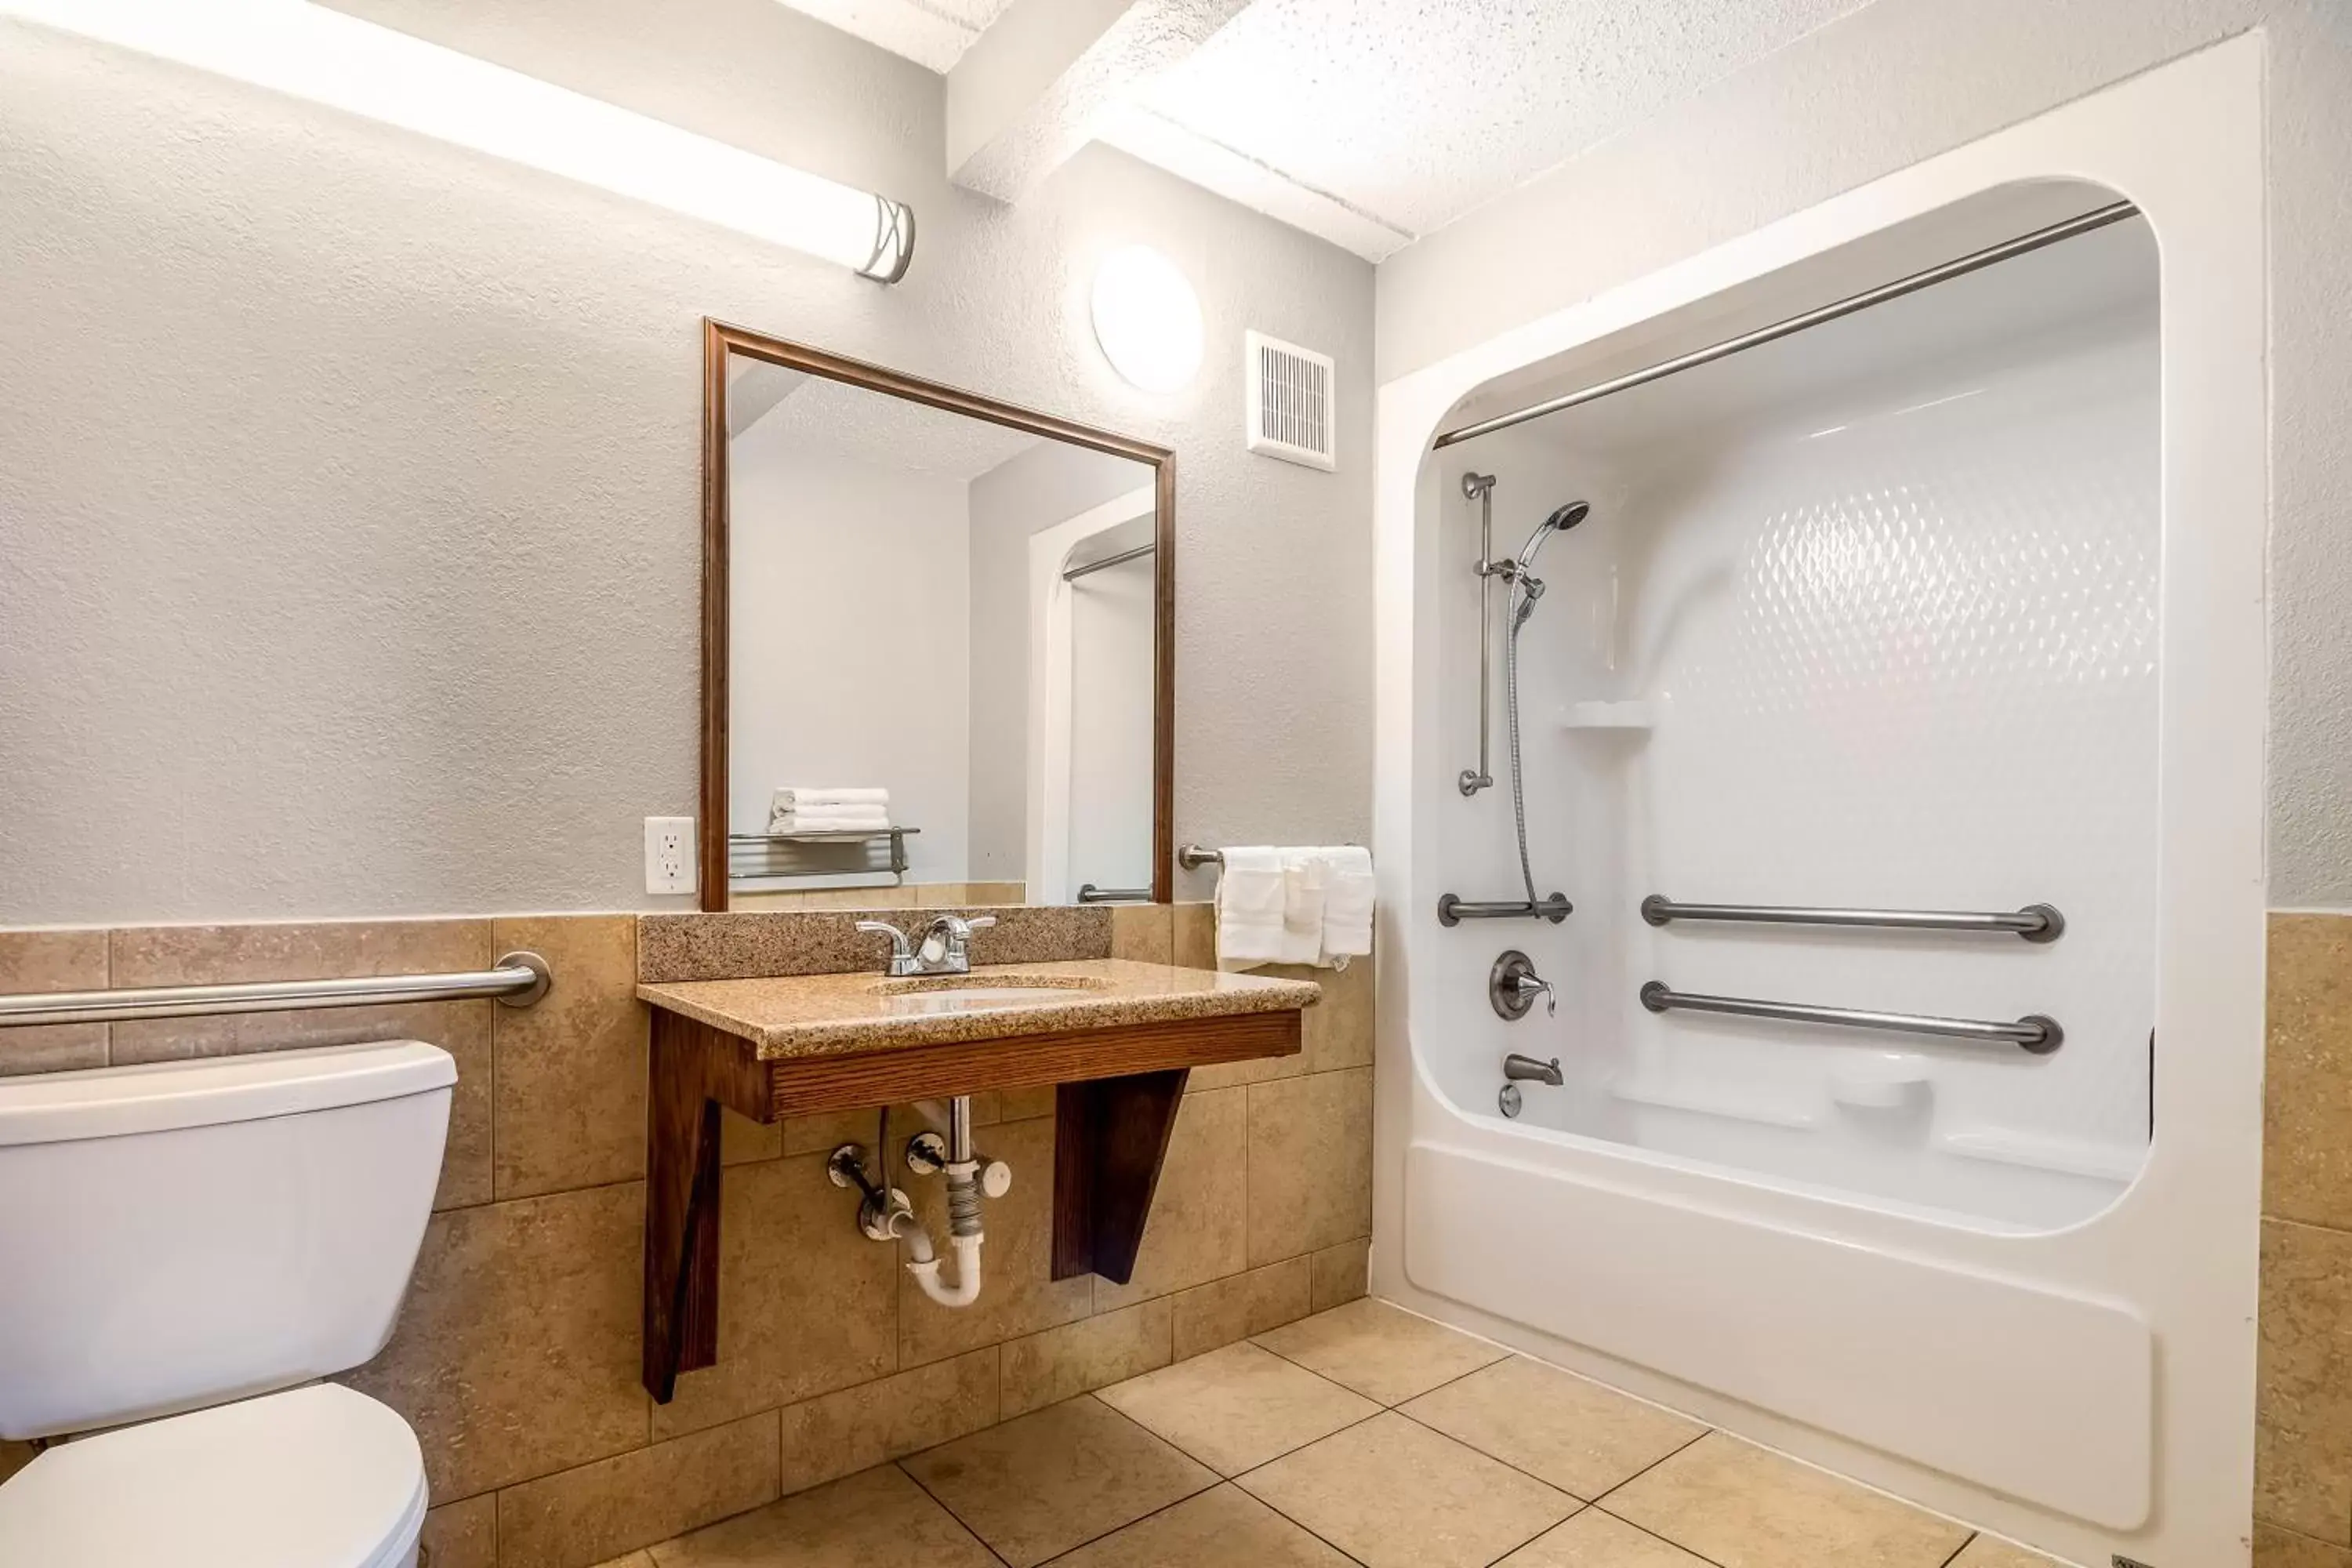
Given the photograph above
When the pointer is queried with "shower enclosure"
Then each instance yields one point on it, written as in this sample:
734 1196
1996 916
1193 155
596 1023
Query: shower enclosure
1888 711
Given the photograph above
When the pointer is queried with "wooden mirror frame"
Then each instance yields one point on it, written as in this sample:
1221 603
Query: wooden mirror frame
720 340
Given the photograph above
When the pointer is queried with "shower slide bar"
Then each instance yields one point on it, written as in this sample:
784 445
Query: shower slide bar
2098 217
517 980
2036 1032
2035 922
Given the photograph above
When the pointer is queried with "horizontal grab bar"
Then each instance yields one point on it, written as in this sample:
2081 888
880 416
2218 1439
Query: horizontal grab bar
2035 1032
2035 922
1090 894
1452 911
517 980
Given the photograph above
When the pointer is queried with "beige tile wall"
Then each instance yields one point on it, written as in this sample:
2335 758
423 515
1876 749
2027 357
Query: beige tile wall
2303 1429
516 1357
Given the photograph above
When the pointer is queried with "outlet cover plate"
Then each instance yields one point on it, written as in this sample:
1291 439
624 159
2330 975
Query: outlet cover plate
669 854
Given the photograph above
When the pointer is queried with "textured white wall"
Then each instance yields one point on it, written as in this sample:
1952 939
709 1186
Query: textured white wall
1902 80
348 481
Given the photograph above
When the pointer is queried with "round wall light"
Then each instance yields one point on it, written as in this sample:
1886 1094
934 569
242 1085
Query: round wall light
1147 319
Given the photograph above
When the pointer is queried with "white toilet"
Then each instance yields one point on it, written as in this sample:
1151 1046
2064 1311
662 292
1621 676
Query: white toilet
180 1245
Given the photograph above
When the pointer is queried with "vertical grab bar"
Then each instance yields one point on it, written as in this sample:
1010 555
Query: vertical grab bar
1480 488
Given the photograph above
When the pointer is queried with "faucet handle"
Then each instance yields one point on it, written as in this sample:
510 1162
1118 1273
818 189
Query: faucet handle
902 951
947 944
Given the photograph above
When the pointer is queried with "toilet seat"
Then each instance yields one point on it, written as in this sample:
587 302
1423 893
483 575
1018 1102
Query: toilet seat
314 1477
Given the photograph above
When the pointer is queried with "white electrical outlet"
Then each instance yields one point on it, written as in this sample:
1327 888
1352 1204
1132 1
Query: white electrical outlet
669 855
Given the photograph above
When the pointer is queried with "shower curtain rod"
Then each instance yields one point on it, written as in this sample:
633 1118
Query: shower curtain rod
1108 562
2098 217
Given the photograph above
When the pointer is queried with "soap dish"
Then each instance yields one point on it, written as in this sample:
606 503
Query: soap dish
1635 715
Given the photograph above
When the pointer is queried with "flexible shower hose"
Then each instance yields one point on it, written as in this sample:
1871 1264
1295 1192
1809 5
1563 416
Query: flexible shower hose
1522 605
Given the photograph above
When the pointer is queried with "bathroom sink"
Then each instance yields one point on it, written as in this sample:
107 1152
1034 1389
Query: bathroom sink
977 992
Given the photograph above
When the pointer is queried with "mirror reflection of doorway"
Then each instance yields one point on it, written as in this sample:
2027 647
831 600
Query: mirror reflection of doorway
1092 602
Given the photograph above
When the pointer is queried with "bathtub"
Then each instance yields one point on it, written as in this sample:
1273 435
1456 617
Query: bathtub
2018 1292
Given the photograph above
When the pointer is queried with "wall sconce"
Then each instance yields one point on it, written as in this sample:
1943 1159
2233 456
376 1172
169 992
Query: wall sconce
326 57
1147 319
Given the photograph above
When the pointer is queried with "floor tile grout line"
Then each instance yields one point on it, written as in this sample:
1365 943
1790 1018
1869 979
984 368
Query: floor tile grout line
949 1509
1297 1523
1375 1398
1653 1535
1646 1469
1963 1546
1581 1502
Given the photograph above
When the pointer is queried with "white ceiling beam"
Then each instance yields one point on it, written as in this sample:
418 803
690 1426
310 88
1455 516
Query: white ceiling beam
1029 92
1237 177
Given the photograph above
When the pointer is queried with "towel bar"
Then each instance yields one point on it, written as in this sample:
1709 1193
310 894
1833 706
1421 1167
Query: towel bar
1193 857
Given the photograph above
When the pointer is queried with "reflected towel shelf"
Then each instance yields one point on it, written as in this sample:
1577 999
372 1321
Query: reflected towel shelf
817 852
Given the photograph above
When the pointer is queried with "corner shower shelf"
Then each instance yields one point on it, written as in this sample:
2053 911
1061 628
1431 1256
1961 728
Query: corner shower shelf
816 852
1634 715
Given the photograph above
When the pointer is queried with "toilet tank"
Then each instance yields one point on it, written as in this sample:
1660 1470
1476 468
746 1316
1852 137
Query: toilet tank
182 1234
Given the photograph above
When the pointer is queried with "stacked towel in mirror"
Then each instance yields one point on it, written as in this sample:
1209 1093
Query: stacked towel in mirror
799 809
1294 905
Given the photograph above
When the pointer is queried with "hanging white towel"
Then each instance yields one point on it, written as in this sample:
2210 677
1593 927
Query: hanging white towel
1302 905
1347 904
1250 900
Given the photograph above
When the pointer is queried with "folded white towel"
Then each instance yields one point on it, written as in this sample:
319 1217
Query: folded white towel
800 797
846 818
1347 904
1250 898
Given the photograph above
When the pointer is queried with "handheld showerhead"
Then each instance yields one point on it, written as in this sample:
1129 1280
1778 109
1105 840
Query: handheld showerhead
1560 521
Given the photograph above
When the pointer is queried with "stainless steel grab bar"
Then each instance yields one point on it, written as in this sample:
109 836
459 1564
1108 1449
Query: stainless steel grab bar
2035 922
2036 1032
1452 910
1090 894
517 980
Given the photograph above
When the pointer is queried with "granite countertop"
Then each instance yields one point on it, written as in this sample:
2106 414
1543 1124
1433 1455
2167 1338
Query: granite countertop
844 1014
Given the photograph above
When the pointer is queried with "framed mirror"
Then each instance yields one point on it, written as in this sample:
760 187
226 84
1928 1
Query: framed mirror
936 661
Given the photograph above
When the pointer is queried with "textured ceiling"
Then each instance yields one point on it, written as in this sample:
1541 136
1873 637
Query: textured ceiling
1411 112
1372 122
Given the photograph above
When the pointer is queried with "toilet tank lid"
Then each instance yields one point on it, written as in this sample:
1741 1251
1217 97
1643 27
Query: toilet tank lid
157 1097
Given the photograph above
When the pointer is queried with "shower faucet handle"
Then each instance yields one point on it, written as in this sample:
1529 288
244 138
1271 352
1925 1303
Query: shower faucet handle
1513 985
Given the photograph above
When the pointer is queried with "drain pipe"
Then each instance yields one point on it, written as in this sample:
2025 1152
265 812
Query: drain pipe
964 1229
887 1214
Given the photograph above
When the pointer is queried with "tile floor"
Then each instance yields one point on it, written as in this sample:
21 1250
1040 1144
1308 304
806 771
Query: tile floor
1361 1436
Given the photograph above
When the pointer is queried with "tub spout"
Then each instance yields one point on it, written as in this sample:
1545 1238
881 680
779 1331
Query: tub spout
1516 1066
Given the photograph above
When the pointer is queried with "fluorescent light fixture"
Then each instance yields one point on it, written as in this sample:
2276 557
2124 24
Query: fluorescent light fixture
327 57
1147 319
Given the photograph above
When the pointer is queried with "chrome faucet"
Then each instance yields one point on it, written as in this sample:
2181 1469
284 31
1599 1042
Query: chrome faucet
945 947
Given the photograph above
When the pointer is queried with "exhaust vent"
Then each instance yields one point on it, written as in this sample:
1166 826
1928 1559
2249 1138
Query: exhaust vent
1292 405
